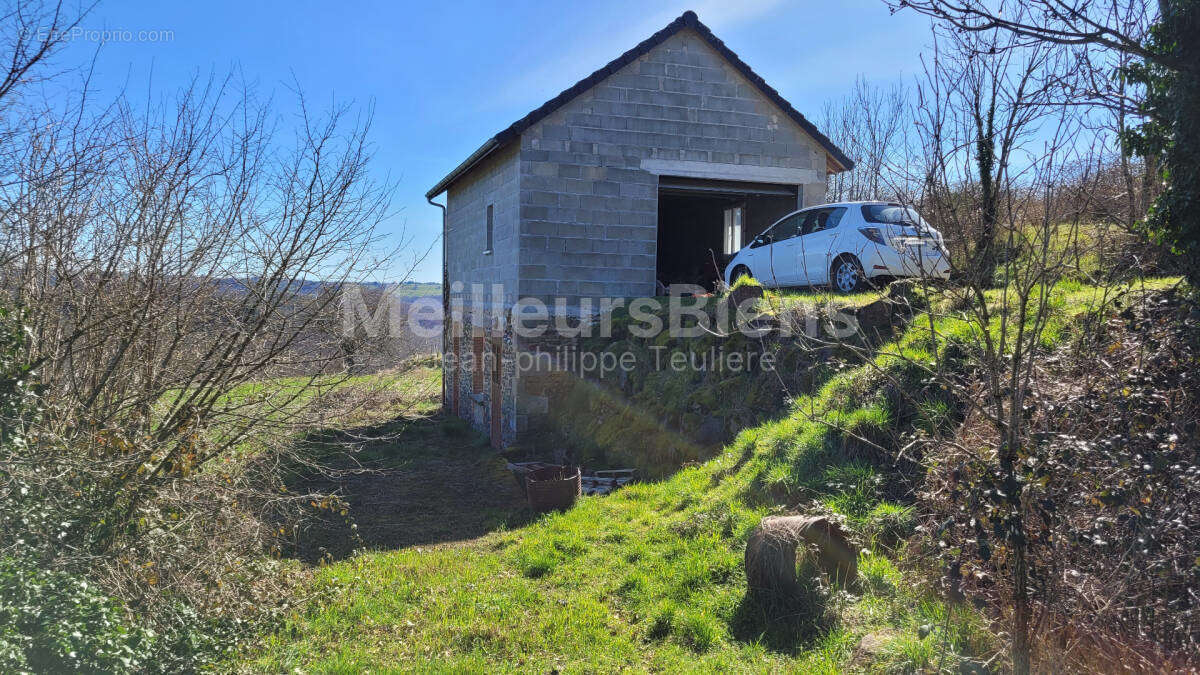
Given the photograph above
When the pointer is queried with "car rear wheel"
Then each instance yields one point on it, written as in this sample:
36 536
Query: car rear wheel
846 275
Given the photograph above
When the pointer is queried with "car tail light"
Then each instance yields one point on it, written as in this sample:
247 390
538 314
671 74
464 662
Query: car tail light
873 234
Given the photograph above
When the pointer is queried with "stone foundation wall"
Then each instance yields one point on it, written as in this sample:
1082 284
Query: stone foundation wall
470 381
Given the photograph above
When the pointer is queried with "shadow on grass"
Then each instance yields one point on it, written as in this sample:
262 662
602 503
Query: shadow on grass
787 625
415 481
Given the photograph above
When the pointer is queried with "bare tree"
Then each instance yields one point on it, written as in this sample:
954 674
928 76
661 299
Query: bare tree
980 347
1007 160
1116 107
30 33
870 124
1119 25
170 259
176 264
1101 41
980 101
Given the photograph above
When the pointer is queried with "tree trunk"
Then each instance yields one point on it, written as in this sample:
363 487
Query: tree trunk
984 260
1020 624
1020 652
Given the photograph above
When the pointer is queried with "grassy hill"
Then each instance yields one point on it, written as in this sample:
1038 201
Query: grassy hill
650 578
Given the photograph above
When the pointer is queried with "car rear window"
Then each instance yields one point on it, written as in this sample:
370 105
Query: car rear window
890 213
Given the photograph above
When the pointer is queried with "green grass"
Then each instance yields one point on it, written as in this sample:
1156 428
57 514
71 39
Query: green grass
406 389
1084 252
745 280
416 289
650 578
793 298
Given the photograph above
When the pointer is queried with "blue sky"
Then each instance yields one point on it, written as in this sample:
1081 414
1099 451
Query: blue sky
445 76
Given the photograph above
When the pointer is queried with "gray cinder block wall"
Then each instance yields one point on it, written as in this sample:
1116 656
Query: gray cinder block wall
574 193
589 208
495 182
473 272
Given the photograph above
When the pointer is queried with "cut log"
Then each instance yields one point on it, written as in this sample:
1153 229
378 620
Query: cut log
771 553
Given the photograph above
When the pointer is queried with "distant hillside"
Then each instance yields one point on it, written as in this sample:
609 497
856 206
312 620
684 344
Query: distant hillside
406 289
410 289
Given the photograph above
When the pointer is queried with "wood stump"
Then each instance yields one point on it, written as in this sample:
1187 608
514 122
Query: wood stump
771 553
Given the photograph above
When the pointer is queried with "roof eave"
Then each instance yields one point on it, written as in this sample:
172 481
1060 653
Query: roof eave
489 146
832 165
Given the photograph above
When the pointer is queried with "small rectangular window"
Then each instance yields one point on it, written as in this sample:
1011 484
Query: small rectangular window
488 246
733 229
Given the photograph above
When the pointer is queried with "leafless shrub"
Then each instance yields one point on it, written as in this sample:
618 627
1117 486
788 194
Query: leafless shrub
980 104
173 260
1011 172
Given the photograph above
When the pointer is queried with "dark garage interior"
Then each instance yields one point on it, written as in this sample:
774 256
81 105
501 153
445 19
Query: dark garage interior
702 224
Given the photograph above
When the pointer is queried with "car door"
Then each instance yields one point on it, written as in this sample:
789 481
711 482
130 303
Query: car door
818 236
752 256
782 257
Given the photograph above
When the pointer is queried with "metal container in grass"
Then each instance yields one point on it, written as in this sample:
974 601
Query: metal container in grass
520 470
552 487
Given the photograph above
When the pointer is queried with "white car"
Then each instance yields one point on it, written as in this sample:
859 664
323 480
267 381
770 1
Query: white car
843 245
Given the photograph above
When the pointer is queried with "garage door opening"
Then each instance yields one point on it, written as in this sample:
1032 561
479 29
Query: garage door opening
703 223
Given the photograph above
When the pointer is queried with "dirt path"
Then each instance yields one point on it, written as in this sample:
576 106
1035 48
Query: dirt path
433 483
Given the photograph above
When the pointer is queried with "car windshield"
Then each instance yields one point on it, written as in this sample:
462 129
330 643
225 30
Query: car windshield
892 214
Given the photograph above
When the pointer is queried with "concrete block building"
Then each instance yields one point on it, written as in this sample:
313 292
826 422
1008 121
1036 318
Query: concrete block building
651 171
